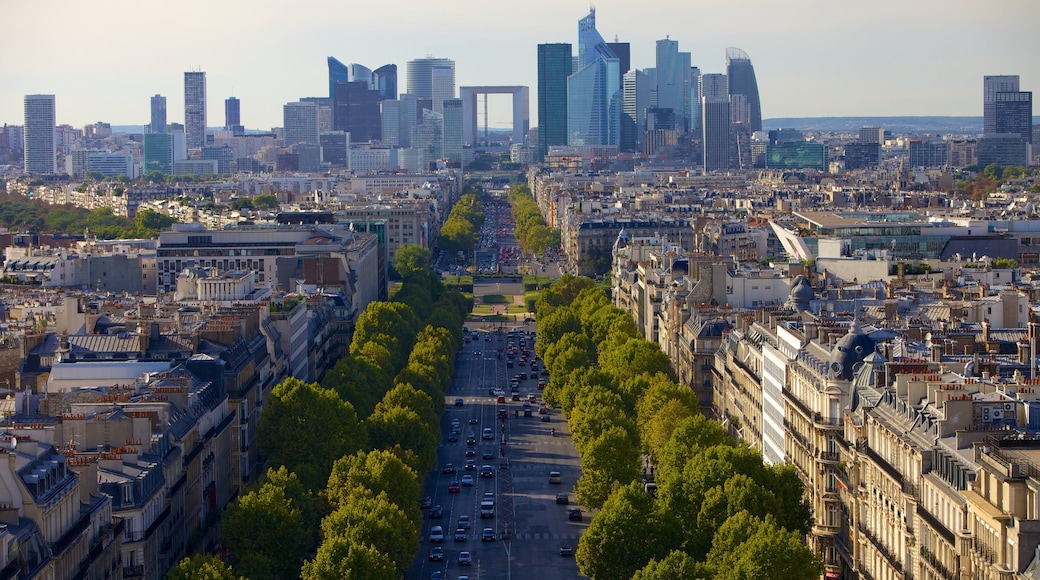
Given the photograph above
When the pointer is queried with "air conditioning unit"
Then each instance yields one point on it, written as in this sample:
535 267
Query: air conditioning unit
1009 407
985 414
998 414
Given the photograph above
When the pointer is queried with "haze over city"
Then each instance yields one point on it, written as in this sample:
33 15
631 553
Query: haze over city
103 60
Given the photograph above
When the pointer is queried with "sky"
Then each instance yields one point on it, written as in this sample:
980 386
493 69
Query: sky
813 58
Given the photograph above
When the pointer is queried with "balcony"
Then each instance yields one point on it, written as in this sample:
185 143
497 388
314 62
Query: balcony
133 571
937 566
881 548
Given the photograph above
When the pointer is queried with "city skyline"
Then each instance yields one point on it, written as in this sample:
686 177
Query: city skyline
806 63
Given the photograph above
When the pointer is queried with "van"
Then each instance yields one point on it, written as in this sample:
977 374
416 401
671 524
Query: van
555 477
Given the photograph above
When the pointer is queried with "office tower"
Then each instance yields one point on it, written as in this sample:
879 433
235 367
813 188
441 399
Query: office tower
432 78
740 132
715 121
862 155
636 99
324 111
335 149
871 136
195 108
796 155
158 123
232 113
40 144
111 164
694 98
963 152
158 153
554 66
623 50
384 80
355 109
991 85
338 73
929 153
224 155
360 72
742 82
673 81
1013 113
300 123
390 118
594 90
1003 149
451 132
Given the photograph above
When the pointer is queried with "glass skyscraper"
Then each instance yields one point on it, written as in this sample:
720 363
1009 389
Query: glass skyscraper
432 78
991 85
554 66
338 73
673 82
594 90
158 121
451 133
195 108
232 113
742 82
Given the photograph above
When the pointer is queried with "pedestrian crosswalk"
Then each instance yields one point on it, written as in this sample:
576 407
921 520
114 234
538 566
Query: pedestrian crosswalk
546 536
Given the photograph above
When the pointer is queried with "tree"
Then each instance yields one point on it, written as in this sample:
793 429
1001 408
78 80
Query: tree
676 565
624 536
265 535
691 436
656 433
608 460
288 435
596 410
241 203
407 396
300 498
151 220
339 559
633 357
410 259
265 201
358 380
377 471
367 519
199 567
747 548
393 425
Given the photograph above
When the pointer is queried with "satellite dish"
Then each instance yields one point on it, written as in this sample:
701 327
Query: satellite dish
14 442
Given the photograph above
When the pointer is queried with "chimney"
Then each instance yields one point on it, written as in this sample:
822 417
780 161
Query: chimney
985 330
1025 351
937 351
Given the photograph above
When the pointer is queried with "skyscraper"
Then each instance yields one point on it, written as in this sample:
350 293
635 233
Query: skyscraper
432 78
384 80
39 146
742 82
554 66
451 133
991 85
715 121
355 109
158 122
338 73
300 123
594 90
195 108
1013 113
158 153
232 113
673 81
636 99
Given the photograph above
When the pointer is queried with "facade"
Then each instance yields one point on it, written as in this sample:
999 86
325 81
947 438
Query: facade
862 155
300 123
1013 113
384 80
39 135
635 100
111 164
742 81
158 118
673 82
233 115
554 66
195 109
1003 149
716 135
872 136
158 153
929 153
338 73
432 78
224 155
335 149
795 155
963 152
355 109
991 85
452 134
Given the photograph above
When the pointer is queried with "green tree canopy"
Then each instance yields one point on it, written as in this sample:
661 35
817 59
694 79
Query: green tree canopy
374 520
747 548
677 565
358 380
410 259
199 567
265 534
340 559
394 425
378 471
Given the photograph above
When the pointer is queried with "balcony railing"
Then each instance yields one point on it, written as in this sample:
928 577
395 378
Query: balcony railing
133 571
881 548
937 566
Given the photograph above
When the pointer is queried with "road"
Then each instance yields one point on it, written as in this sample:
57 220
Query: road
529 525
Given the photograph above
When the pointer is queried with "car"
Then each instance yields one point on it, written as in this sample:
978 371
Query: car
459 402
545 419
436 554
448 468
562 499
566 550
516 396
489 496
501 399
491 391
465 559
471 440
453 437
487 434
436 512
471 452
453 487
574 515
425 503
543 410
471 464
476 353
473 420
487 509
461 535
555 477
487 454
464 522
488 535
437 575
467 480
436 534
486 471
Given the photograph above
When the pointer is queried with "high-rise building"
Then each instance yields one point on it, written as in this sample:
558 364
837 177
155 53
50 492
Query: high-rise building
623 50
158 153
300 123
158 121
673 81
338 73
432 78
232 113
991 85
636 99
390 119
1013 113
871 136
929 153
694 98
355 109
554 66
384 80
451 133
1003 149
742 82
715 122
40 145
335 148
195 108
594 90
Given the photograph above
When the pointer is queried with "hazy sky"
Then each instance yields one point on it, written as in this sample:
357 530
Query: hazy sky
103 59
